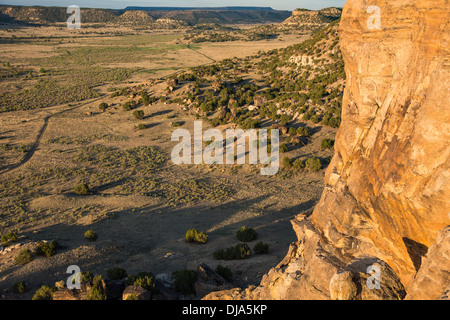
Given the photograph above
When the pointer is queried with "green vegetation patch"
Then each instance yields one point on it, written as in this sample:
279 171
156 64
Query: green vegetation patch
138 157
188 191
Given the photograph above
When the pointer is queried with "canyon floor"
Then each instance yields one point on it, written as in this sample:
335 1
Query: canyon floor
140 211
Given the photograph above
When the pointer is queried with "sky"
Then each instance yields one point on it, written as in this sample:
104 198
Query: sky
120 4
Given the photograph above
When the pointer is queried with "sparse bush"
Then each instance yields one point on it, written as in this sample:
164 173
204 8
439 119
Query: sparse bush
303 132
246 234
46 249
298 164
201 237
138 114
184 281
225 272
292 131
141 126
132 297
116 274
142 279
286 162
44 293
103 106
19 287
86 277
261 248
8 238
127 106
91 235
240 251
327 144
193 235
315 119
23 257
284 148
82 189
97 291
313 164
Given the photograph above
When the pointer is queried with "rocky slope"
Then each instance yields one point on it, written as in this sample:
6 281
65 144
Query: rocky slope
385 206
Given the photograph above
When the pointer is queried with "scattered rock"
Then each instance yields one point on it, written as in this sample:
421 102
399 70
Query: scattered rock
354 282
209 281
67 294
136 291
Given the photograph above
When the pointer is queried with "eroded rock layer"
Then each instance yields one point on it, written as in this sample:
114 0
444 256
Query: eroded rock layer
388 187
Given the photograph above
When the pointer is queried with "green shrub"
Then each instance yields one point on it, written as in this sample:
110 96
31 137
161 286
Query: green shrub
132 297
141 126
225 272
116 274
261 248
184 281
313 164
286 162
246 234
201 237
142 279
327 144
103 106
292 131
91 235
46 249
193 235
8 238
284 148
82 189
303 132
23 257
138 114
127 106
298 164
44 293
19 287
97 291
240 251
315 119
86 277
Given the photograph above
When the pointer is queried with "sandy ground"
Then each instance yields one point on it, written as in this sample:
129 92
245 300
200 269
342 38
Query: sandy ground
141 233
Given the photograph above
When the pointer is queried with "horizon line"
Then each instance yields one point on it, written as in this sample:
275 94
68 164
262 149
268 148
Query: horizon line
135 8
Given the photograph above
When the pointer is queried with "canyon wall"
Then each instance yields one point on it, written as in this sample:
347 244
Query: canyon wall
385 210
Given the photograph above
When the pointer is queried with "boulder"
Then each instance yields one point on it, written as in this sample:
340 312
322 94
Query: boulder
136 292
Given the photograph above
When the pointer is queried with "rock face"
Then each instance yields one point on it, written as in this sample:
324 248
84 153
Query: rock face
309 17
388 186
432 280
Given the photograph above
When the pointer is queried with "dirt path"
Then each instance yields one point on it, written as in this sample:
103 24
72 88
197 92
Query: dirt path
41 132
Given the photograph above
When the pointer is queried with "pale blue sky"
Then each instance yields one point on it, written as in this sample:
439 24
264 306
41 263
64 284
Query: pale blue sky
120 4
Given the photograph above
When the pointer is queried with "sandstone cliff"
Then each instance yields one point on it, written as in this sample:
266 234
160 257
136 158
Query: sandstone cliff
386 201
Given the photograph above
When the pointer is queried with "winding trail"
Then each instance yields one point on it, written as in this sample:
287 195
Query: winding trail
41 132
